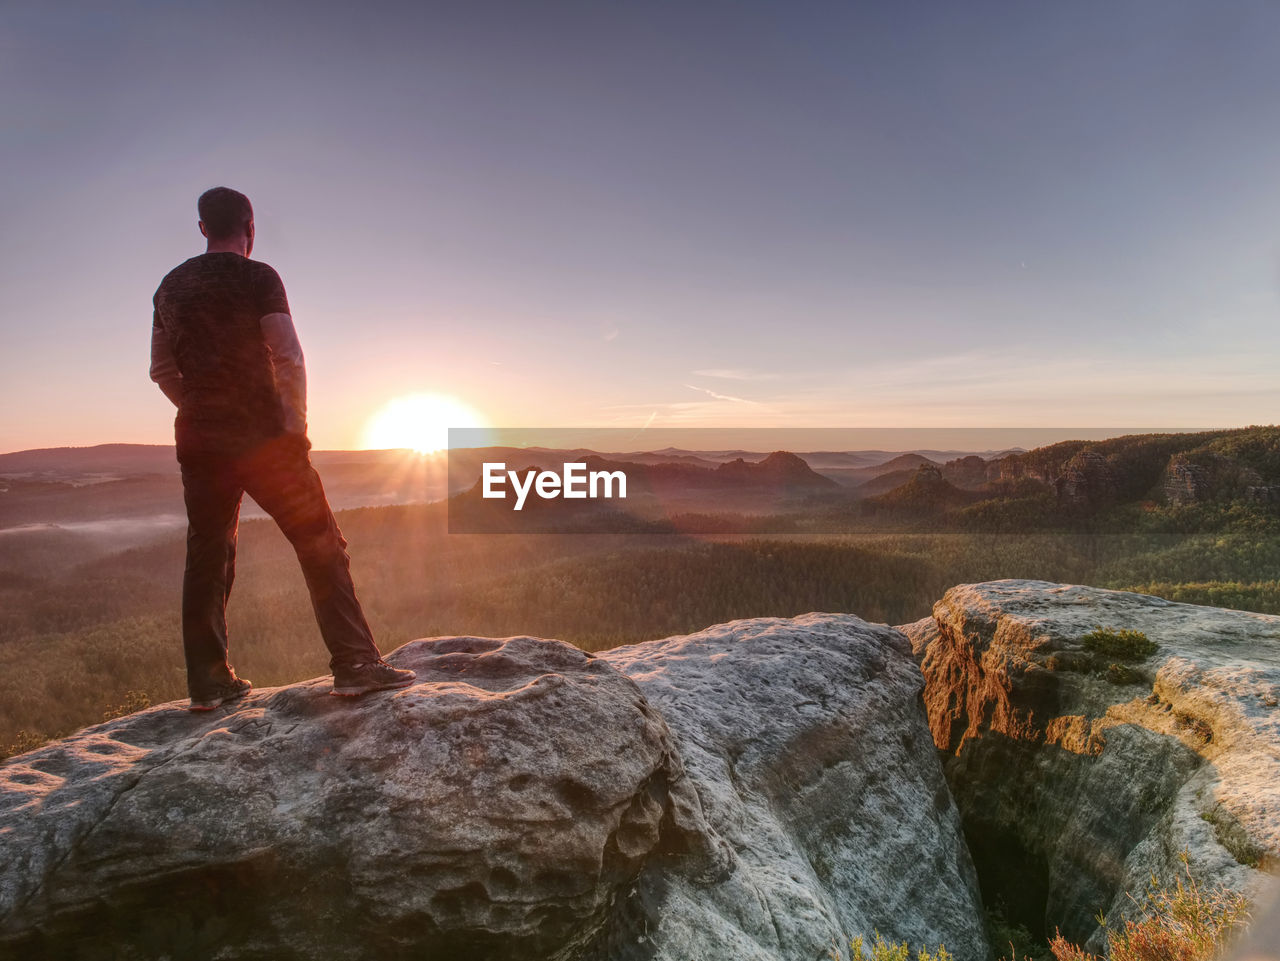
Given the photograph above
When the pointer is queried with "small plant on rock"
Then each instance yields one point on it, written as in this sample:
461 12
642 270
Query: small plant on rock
1124 645
1180 923
882 950
134 701
23 742
1106 648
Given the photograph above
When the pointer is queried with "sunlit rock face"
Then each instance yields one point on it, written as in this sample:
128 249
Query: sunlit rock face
1078 780
765 789
499 808
807 742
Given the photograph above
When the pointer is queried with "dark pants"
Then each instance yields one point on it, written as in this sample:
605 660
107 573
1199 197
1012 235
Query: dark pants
279 476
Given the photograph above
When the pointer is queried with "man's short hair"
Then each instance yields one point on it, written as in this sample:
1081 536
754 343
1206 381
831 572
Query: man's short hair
225 212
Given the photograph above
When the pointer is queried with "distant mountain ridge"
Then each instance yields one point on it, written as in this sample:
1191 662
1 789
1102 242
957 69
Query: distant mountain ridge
1077 481
122 460
1061 483
926 490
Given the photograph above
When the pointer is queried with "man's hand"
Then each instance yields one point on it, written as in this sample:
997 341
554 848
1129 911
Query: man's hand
164 367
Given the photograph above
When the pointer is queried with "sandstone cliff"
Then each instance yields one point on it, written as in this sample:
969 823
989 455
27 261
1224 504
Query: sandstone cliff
1078 779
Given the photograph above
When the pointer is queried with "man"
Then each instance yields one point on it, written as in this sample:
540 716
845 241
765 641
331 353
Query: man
224 351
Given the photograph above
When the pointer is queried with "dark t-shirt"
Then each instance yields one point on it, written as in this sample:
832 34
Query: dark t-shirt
210 307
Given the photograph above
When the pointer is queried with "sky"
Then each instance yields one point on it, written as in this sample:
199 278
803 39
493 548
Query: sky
682 214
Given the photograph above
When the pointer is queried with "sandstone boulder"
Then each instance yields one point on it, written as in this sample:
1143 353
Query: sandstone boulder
807 743
499 808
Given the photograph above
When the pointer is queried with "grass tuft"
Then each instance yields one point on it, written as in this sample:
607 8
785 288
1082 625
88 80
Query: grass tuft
1124 645
1185 922
882 950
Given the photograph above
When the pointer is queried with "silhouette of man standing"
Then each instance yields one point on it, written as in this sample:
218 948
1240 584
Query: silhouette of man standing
224 350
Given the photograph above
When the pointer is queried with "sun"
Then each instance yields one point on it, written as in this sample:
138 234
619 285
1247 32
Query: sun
419 422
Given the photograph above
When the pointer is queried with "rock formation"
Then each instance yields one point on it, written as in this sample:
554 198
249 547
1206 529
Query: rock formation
1087 482
762 790
968 473
1080 774
807 742
523 800
1206 475
497 809
1186 482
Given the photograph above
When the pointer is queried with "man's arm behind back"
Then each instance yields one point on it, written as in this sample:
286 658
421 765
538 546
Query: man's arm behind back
289 368
164 367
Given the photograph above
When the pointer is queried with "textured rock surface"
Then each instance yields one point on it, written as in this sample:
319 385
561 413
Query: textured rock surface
1075 789
523 800
807 742
495 809
1087 481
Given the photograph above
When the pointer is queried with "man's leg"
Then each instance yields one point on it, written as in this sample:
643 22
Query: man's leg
279 476
212 496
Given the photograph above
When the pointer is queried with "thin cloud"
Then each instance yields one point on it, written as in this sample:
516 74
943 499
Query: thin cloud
697 413
736 400
735 373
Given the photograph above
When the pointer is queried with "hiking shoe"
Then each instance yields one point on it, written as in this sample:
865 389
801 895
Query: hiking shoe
236 687
375 676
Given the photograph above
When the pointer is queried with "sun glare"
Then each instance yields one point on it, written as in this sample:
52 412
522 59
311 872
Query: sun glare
420 422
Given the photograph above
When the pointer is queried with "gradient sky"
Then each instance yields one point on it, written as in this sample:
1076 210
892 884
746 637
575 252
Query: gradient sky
688 213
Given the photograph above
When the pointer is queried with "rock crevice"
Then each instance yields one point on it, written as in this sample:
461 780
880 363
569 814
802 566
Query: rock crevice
1079 779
